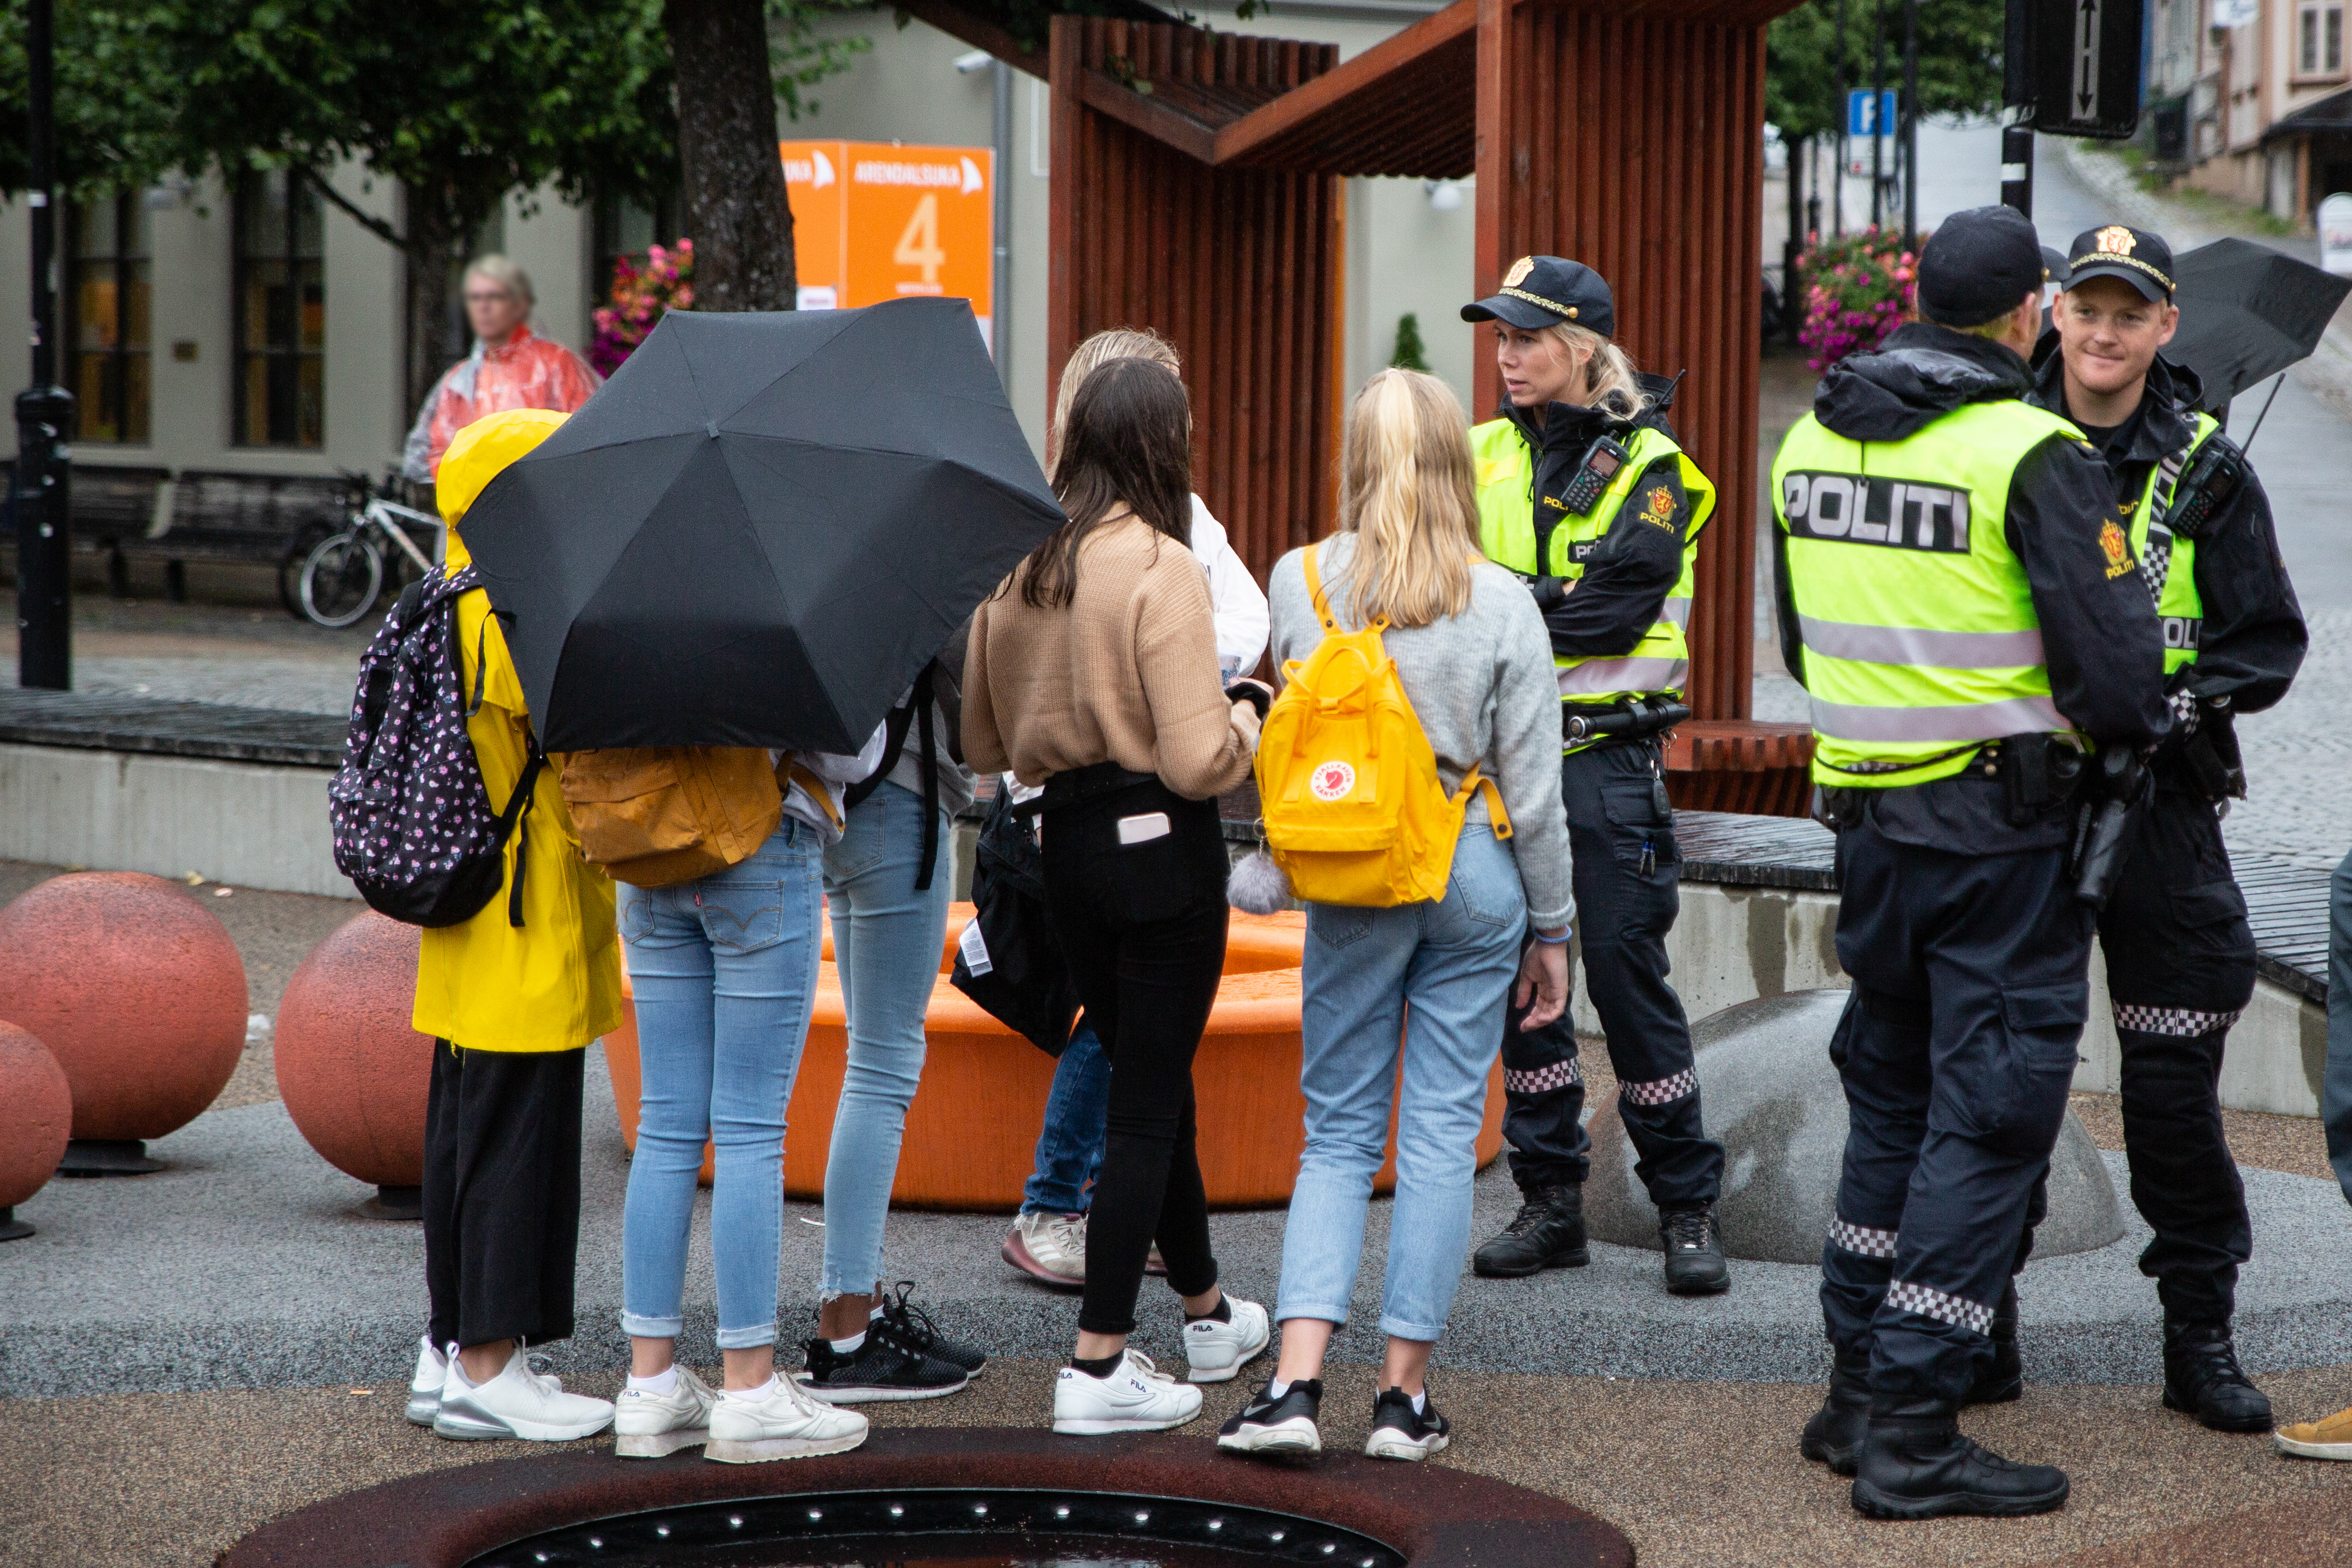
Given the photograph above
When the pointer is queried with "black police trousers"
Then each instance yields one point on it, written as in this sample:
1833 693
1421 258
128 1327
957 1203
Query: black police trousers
1628 884
2181 969
1956 1049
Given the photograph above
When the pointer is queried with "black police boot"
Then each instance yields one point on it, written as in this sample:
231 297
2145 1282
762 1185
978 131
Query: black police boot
1693 1243
1915 1464
1547 1233
1834 1435
2202 1378
2002 1378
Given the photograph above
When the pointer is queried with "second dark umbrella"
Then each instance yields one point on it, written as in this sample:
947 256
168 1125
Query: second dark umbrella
2247 311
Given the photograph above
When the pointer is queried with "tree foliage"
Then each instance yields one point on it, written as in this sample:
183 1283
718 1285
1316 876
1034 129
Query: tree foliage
1959 59
117 99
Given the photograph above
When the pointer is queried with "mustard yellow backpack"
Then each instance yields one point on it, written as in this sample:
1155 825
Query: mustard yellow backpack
1354 810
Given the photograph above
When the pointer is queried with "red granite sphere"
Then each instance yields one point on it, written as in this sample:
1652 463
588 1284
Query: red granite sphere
136 989
35 1115
353 1073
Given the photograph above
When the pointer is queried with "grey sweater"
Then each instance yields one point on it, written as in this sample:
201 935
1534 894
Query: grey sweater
1483 685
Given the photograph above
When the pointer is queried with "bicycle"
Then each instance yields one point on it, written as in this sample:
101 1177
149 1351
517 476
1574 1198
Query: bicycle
343 576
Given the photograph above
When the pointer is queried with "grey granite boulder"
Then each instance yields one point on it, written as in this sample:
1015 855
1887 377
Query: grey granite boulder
1771 1098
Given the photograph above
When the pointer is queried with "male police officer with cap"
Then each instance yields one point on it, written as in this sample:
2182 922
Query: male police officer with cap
1958 597
2180 956
1582 492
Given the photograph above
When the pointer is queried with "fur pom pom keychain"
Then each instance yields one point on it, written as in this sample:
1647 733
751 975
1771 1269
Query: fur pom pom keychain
1257 886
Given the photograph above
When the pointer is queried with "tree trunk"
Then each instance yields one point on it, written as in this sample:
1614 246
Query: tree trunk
736 211
431 241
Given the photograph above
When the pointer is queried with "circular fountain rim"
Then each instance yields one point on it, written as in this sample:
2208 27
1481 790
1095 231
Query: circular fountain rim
449 1518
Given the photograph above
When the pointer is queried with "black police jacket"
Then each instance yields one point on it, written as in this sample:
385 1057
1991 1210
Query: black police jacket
2253 638
2104 651
1631 570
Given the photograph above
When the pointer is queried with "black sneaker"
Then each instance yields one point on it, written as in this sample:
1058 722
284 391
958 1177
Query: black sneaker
1694 1242
1547 1233
1284 1426
881 1368
911 1329
1401 1432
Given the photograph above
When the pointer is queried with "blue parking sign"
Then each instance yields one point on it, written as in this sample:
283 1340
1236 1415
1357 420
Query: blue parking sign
1859 119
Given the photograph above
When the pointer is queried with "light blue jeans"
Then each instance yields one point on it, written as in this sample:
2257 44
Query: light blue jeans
886 947
1078 1124
724 969
1437 975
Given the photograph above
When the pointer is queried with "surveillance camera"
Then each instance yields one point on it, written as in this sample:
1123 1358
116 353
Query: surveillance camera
977 60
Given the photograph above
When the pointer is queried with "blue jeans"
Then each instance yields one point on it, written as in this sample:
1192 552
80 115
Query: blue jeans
1437 975
724 969
1070 1143
886 947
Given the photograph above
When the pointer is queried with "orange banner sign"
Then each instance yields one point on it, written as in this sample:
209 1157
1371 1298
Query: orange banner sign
878 220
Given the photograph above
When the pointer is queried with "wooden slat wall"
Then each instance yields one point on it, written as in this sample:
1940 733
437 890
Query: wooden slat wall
1634 146
1243 270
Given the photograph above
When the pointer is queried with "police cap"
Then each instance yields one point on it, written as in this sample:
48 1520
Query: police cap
1541 292
1978 266
2140 258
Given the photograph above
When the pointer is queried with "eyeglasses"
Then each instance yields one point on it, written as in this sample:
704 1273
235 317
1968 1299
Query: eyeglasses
498 296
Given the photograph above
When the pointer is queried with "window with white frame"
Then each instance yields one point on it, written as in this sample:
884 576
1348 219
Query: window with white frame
2319 40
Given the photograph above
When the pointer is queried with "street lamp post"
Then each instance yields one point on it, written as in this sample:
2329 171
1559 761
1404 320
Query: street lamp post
1911 126
44 409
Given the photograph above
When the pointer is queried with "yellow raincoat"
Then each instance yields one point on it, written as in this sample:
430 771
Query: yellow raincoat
552 984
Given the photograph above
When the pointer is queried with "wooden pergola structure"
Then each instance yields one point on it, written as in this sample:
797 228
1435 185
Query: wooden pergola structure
1197 190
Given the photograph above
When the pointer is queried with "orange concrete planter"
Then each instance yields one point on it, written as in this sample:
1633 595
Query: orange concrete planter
972 1131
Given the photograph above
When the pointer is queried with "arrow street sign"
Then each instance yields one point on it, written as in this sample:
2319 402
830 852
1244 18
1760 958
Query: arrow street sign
2086 67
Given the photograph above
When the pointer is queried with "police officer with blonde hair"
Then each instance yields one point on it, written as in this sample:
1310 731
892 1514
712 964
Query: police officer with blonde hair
2179 952
1958 597
1584 493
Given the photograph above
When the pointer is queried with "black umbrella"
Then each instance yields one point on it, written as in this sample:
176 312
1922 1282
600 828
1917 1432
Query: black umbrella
760 529
2246 312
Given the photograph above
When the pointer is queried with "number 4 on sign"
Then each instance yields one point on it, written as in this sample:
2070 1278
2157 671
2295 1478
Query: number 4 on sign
919 244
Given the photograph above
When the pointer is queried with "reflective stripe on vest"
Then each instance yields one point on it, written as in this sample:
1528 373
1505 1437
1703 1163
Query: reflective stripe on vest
1920 635
1505 471
2167 562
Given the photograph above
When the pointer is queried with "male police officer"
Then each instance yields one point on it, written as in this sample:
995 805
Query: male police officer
2180 956
1958 597
1582 490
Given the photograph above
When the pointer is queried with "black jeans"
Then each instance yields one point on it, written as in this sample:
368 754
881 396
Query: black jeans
501 1193
1628 884
1143 928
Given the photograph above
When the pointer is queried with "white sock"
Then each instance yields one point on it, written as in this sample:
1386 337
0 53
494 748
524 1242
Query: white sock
849 1346
753 1396
1277 1389
876 1315
664 1381
1421 1403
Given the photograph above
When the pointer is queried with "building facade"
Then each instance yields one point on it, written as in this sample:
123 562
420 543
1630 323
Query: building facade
255 329
2264 89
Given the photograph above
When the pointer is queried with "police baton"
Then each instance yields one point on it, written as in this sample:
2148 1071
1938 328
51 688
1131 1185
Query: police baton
2121 787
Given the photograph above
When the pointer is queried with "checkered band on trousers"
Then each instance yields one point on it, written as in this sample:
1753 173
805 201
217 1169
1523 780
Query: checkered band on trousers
2175 1021
1664 1091
1544 1079
1906 1297
1861 1240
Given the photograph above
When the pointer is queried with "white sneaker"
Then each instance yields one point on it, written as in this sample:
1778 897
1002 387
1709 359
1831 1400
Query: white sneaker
1215 1352
1136 1397
650 1426
425 1382
786 1424
518 1403
1050 1247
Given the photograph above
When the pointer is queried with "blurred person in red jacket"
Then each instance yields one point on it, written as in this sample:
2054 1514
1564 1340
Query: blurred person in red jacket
510 367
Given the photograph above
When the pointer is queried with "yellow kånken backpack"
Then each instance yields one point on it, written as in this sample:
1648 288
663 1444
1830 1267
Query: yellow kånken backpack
1354 810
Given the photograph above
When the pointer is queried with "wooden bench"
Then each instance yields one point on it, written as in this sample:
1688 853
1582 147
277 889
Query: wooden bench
243 519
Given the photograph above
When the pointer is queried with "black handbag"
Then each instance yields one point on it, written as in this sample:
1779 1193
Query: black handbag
1009 960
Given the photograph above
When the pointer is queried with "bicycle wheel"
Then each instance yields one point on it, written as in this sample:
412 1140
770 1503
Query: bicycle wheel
289 565
340 580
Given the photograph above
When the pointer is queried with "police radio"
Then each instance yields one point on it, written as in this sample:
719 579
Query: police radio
1601 462
2212 480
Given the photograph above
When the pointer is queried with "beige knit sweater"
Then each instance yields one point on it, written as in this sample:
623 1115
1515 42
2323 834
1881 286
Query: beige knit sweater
1125 673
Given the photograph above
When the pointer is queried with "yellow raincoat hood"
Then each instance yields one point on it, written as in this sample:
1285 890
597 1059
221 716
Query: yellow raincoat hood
480 453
